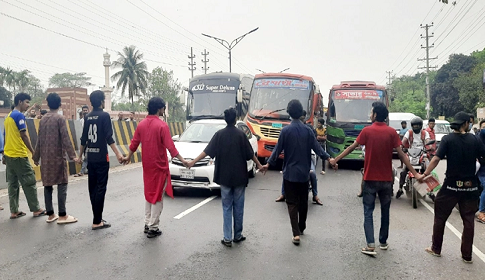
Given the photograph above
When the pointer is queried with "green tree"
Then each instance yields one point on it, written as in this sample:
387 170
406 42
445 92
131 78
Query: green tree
139 106
133 75
69 80
22 79
6 96
408 94
162 83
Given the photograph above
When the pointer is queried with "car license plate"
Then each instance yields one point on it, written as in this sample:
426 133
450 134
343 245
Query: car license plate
187 173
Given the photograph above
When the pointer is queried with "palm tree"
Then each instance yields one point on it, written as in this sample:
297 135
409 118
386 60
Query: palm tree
22 79
133 74
2 76
9 77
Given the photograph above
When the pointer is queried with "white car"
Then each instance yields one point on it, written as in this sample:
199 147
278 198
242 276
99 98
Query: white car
191 143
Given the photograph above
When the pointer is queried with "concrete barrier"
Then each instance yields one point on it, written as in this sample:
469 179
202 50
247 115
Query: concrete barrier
123 132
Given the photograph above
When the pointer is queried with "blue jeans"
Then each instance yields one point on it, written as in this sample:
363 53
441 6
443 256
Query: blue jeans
313 181
84 166
384 190
232 206
481 207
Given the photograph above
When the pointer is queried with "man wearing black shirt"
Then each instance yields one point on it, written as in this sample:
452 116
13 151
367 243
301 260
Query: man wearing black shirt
231 149
97 134
461 185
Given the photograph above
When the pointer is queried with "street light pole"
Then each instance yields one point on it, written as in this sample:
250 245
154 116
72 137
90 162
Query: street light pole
230 46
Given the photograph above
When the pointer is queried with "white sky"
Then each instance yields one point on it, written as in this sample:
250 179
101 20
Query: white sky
328 40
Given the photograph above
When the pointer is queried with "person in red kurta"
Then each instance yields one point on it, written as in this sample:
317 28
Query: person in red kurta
154 135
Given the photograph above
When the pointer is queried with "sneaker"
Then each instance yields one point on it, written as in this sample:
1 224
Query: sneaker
154 233
466 261
431 252
242 238
384 246
146 229
226 243
399 193
322 172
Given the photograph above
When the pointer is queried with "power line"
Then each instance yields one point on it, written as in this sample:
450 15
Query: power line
192 62
427 67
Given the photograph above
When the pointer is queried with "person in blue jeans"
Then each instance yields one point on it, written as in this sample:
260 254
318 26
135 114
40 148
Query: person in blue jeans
481 177
379 140
231 149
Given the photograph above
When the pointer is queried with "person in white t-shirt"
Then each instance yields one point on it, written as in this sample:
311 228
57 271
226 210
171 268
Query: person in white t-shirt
414 138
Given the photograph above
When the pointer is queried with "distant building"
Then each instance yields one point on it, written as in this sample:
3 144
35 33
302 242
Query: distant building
72 100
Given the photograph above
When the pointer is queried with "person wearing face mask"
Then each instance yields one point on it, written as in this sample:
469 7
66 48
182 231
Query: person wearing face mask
414 138
481 175
470 126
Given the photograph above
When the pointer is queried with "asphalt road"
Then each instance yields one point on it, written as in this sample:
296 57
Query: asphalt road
190 245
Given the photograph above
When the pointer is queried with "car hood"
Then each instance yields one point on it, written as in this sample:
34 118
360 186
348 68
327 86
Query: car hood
190 150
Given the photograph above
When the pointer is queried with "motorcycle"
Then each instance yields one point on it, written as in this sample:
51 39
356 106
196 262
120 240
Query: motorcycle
419 159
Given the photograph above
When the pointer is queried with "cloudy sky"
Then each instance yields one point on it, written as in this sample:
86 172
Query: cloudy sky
328 40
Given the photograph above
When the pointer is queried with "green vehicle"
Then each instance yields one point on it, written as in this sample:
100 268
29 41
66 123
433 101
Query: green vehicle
349 106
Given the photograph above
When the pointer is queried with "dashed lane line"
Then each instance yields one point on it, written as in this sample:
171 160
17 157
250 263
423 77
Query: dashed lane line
195 207
477 252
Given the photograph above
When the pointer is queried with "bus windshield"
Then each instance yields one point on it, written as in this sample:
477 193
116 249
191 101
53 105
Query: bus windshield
212 96
353 105
269 95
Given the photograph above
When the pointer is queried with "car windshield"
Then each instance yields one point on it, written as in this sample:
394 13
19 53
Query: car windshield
200 132
353 105
269 95
396 124
442 128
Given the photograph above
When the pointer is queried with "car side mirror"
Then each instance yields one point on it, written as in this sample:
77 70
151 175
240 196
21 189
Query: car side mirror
175 137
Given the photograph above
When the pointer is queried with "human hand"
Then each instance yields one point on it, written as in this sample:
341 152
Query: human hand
264 168
420 177
36 163
79 159
37 105
75 159
189 164
3 160
120 158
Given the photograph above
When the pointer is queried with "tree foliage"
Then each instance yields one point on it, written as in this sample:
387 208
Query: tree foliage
133 75
408 94
69 80
13 82
162 83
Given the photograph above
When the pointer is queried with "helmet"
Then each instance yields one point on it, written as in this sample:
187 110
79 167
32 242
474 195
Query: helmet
417 121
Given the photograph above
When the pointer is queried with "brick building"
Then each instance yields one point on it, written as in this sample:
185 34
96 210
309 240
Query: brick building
72 100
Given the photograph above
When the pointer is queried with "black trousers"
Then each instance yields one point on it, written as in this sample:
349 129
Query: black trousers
443 205
296 194
97 181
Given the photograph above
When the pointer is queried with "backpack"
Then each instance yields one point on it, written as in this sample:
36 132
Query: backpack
411 136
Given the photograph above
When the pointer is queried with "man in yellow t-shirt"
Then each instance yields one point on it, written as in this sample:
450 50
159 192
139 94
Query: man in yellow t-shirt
321 138
17 145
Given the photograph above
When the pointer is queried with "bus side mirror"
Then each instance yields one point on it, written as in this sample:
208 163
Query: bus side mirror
239 95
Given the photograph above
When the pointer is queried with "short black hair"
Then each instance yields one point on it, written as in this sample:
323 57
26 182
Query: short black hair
304 113
12 107
322 121
230 116
380 110
21 97
53 100
431 120
43 112
481 122
96 98
154 104
85 107
404 122
472 117
295 109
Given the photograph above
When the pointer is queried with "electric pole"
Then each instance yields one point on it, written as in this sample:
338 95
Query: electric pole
427 67
389 78
205 60
192 62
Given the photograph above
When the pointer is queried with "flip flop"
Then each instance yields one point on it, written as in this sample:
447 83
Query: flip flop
369 251
43 213
18 215
52 220
431 252
105 225
79 175
295 241
70 219
1 208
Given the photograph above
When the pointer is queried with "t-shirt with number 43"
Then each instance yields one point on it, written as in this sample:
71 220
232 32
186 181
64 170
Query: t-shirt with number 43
97 135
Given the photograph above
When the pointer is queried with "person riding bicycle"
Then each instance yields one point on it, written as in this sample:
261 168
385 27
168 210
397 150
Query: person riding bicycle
416 137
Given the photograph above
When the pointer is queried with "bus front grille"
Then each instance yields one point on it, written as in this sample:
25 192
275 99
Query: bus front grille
270 132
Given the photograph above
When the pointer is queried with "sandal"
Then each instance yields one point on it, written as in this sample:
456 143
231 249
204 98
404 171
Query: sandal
317 201
481 217
431 252
18 215
52 220
1 208
43 213
369 251
295 241
70 219
79 174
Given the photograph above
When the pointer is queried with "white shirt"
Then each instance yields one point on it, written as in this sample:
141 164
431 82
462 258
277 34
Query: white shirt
417 142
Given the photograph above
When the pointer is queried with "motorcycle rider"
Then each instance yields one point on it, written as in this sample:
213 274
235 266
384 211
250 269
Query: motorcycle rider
416 137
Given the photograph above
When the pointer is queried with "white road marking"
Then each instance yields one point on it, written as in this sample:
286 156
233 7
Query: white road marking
193 208
477 252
